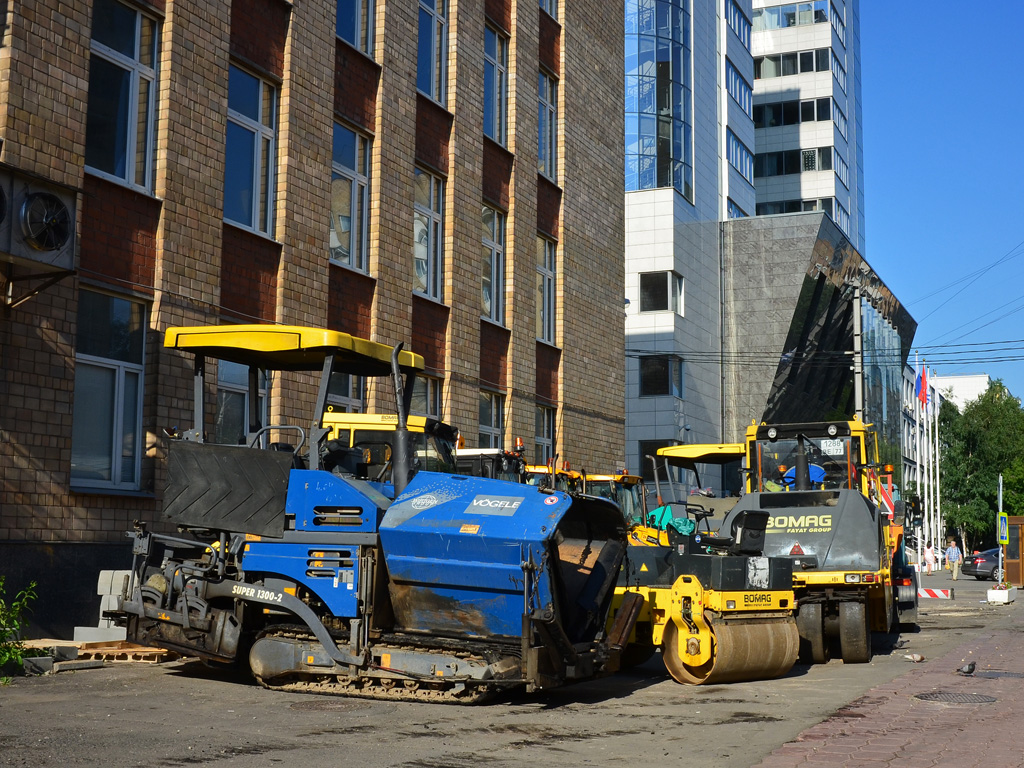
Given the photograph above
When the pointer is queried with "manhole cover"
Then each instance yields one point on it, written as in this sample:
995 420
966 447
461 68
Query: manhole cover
956 698
997 673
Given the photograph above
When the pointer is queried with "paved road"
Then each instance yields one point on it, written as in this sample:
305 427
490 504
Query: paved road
181 714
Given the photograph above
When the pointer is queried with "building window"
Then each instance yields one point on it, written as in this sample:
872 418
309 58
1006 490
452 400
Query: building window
839 72
785 64
842 218
839 119
793 15
345 393
493 265
837 23
428 235
231 420
659 96
792 112
739 89
122 94
661 375
544 435
734 211
354 24
738 21
492 419
842 169
106 431
739 156
661 292
432 53
547 126
495 85
550 7
792 161
426 397
795 206
546 250
350 183
249 164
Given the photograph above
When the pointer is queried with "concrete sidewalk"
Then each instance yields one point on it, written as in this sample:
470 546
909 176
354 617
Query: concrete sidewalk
890 726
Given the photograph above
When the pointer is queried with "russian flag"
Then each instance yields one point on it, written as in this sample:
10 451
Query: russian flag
922 387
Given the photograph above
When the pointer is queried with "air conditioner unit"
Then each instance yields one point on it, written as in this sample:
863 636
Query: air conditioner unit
38 225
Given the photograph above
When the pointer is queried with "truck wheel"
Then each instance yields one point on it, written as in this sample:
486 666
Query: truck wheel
854 637
813 643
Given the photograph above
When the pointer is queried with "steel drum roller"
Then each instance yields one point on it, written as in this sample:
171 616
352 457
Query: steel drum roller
743 650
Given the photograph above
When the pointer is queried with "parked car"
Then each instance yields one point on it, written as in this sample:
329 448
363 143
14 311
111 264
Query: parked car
982 565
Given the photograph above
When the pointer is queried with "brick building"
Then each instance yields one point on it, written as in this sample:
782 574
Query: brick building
443 173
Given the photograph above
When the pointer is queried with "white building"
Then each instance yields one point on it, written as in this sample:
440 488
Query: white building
807 114
689 165
961 388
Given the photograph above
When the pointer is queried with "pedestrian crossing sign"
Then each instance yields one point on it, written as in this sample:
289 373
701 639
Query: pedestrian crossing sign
1004 529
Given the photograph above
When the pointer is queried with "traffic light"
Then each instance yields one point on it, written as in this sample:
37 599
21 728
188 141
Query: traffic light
915 514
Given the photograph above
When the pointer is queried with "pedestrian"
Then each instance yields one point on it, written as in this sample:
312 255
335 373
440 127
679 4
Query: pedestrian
954 558
929 558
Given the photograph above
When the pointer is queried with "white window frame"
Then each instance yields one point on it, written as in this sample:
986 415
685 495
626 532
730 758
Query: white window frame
547 125
261 208
432 396
739 156
547 256
121 370
493 228
739 22
675 373
739 89
496 81
358 180
673 292
428 236
492 431
434 14
351 399
363 11
138 126
544 437
225 385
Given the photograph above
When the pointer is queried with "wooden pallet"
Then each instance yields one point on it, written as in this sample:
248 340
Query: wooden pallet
116 651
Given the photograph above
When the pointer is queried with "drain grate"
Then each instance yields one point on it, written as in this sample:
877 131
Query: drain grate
956 698
997 673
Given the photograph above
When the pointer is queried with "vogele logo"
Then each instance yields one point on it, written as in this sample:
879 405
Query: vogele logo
495 505
426 501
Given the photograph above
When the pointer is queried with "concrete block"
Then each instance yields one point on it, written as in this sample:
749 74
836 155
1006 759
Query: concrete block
111 582
38 665
70 666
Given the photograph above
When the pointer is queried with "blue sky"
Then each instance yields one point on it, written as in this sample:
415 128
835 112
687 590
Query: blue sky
943 111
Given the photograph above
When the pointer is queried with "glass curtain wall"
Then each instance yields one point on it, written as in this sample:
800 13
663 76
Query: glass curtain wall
659 95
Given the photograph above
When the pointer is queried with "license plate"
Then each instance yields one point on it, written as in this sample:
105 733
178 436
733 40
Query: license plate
833 447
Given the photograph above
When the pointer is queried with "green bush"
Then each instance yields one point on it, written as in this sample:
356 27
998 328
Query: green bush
11 622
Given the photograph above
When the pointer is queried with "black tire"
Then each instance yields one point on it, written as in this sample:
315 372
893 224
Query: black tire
985 578
814 646
854 635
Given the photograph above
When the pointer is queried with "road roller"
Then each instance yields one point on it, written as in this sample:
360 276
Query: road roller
719 610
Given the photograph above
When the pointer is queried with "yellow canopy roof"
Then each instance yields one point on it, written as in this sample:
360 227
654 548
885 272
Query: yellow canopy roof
687 456
289 348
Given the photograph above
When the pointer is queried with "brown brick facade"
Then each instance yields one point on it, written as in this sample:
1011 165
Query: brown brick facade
118 235
170 250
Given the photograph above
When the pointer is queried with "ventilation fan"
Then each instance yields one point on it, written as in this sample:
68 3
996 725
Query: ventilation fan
45 221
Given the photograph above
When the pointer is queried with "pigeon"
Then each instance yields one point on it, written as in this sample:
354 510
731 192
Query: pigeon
914 657
967 669
902 642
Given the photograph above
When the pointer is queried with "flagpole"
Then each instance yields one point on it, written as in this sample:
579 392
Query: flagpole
938 485
917 460
929 515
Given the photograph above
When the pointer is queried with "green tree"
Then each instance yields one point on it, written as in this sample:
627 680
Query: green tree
986 440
